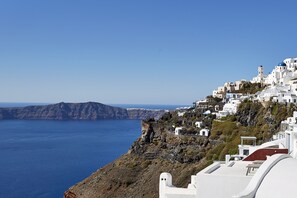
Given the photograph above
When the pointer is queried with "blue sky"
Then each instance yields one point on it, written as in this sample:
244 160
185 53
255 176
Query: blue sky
137 52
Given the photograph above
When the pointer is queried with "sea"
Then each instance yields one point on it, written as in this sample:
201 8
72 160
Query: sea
44 158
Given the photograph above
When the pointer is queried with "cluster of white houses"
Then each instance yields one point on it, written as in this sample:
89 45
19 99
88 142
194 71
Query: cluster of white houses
267 170
281 87
281 83
203 131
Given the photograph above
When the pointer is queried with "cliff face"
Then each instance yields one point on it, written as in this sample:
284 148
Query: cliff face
76 111
136 174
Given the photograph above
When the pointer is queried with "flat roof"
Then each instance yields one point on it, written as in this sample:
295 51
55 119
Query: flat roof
239 168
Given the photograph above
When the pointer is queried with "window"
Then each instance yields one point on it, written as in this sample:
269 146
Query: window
245 152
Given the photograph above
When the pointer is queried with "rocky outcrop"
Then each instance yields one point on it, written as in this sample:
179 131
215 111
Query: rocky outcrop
76 111
247 113
136 174
147 132
155 142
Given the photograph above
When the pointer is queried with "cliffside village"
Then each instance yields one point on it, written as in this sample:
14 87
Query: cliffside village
266 170
278 86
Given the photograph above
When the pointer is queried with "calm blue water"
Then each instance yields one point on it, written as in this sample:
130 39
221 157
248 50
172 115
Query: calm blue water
44 158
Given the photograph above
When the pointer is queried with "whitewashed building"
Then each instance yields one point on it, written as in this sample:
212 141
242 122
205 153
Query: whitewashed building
277 75
181 113
233 96
228 87
204 132
260 77
291 63
271 92
178 130
230 108
277 93
199 124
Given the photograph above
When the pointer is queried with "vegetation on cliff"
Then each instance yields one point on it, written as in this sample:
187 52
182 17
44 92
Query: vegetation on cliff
250 88
252 119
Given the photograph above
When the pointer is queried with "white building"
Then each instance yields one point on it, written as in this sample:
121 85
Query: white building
233 96
199 124
245 149
230 108
178 130
260 77
278 93
271 92
291 63
228 87
282 73
181 114
238 84
277 75
204 132
285 98
267 170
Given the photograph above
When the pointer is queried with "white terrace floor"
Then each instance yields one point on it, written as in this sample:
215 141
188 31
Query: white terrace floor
239 168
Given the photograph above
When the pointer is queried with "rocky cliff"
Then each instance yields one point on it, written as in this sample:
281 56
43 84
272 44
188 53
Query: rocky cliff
76 111
136 174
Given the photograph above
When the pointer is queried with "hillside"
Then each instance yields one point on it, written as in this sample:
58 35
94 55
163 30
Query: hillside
136 174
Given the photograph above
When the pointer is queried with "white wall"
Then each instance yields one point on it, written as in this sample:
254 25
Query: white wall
220 186
167 190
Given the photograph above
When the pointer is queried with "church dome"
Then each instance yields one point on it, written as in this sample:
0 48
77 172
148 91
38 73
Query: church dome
282 64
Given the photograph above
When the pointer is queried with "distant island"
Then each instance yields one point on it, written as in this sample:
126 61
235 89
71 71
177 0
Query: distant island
76 111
